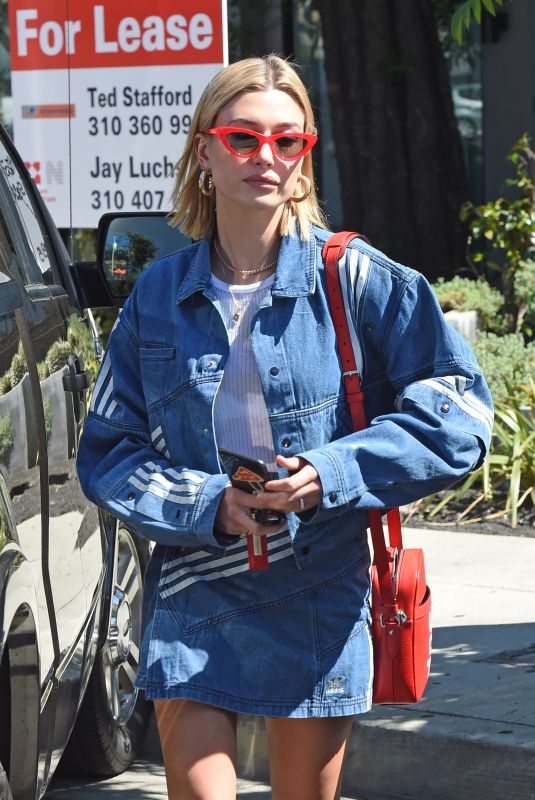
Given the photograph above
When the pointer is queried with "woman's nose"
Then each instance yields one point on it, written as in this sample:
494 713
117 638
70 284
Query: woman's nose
265 154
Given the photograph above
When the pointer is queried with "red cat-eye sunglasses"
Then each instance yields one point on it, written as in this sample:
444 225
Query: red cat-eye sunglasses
243 143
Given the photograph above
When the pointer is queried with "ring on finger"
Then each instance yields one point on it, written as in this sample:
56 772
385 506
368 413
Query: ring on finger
301 504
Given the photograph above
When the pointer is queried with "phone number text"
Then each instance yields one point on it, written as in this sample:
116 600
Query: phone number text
145 200
139 125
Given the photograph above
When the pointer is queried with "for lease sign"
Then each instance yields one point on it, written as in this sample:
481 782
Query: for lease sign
103 96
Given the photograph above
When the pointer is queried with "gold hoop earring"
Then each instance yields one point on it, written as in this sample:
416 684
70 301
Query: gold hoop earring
206 183
306 193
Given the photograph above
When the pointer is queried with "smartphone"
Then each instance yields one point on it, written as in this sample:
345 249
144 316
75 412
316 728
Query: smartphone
250 475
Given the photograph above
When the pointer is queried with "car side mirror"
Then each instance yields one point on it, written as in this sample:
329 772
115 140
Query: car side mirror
127 244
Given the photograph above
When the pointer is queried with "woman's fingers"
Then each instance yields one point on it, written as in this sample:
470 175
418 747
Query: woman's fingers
300 491
234 514
292 464
296 501
304 476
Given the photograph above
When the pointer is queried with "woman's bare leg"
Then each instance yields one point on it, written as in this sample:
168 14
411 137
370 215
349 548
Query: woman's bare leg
306 757
199 750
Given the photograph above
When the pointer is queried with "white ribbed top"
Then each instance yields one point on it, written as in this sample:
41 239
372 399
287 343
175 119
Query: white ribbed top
240 414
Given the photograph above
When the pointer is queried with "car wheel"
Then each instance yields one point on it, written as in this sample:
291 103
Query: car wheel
114 715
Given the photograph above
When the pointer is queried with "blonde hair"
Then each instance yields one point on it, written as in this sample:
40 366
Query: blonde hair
193 212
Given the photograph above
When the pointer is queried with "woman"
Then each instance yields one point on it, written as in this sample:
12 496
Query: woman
229 343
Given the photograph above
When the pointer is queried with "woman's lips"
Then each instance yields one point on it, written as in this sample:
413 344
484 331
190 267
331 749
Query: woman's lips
261 181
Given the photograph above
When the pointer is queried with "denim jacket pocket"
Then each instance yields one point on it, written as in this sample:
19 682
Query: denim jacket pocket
158 372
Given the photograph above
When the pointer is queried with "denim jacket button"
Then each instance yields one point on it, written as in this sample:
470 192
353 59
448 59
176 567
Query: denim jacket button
130 496
274 371
212 363
205 430
445 407
333 496
286 442
368 327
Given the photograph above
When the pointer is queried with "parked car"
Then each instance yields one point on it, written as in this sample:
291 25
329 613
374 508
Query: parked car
71 577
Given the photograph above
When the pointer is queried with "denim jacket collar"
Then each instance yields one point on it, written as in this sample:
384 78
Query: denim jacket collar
295 275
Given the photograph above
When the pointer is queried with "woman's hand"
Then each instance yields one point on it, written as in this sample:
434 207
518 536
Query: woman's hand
234 514
299 492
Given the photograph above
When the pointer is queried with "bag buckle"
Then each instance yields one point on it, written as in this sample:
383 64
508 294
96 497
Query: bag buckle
399 618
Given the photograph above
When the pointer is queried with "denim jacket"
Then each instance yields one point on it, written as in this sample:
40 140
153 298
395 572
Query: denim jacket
148 453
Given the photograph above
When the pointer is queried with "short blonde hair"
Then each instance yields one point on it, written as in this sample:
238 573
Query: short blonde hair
193 212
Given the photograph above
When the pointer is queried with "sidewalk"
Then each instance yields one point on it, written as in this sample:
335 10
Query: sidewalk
472 737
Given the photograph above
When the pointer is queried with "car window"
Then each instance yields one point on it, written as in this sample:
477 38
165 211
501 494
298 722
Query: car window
10 265
43 268
6 253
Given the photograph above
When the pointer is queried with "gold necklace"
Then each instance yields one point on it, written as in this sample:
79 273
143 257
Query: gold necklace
228 266
238 308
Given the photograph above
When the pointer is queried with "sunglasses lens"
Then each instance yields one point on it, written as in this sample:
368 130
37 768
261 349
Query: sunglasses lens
242 142
290 146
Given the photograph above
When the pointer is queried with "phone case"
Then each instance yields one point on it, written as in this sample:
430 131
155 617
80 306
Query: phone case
249 475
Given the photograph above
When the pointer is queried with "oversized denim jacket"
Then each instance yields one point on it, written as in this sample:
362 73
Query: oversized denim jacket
148 452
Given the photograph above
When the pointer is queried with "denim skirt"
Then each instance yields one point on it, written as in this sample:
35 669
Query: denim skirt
282 642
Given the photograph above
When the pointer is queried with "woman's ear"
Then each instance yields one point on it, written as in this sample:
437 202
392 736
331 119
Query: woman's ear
201 150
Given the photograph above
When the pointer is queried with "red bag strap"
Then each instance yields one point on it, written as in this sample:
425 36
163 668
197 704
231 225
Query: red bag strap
333 250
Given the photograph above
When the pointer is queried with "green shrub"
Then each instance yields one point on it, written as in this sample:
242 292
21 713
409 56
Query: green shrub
43 371
507 478
524 287
504 231
47 408
81 341
18 368
4 529
467 294
57 356
7 438
6 383
507 363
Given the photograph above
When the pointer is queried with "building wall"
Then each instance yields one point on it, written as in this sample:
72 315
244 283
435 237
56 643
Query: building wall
508 89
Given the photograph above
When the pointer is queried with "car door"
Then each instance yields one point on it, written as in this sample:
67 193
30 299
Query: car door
58 529
22 600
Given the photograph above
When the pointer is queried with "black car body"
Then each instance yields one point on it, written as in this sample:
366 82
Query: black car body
70 577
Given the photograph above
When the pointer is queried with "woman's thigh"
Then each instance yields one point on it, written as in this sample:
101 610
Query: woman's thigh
199 750
306 757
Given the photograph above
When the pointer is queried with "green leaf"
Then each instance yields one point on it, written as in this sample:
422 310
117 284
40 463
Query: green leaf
489 5
467 13
497 459
476 8
487 485
457 25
